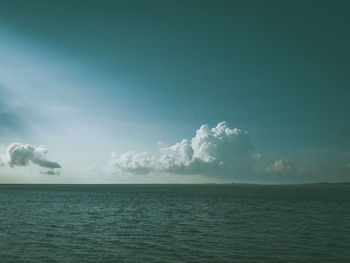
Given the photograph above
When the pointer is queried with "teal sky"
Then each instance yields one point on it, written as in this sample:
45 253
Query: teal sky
88 78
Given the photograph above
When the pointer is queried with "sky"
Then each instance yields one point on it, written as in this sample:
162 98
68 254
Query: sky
174 91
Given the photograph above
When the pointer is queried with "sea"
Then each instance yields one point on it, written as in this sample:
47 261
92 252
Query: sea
175 223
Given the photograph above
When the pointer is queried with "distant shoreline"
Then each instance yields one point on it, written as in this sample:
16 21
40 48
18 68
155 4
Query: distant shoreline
179 184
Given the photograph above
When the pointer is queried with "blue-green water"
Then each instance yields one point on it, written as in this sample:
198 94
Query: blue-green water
174 223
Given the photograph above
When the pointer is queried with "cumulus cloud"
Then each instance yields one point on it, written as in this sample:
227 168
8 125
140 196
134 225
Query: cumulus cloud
18 154
218 151
133 162
280 166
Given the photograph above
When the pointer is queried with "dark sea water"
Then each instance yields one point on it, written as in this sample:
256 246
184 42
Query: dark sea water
174 223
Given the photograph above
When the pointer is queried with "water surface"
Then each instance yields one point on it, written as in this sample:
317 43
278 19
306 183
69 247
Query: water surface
174 223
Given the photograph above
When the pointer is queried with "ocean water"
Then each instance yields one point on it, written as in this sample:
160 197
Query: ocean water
174 223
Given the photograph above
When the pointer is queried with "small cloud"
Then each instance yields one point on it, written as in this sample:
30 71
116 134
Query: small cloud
50 172
280 166
22 154
92 167
257 155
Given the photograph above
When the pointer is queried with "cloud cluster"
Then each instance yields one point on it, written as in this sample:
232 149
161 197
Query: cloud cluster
218 151
18 154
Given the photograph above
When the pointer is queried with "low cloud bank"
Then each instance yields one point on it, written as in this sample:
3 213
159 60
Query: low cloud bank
18 154
219 151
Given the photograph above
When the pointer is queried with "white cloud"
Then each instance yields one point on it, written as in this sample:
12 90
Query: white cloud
218 151
18 154
280 166
133 162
